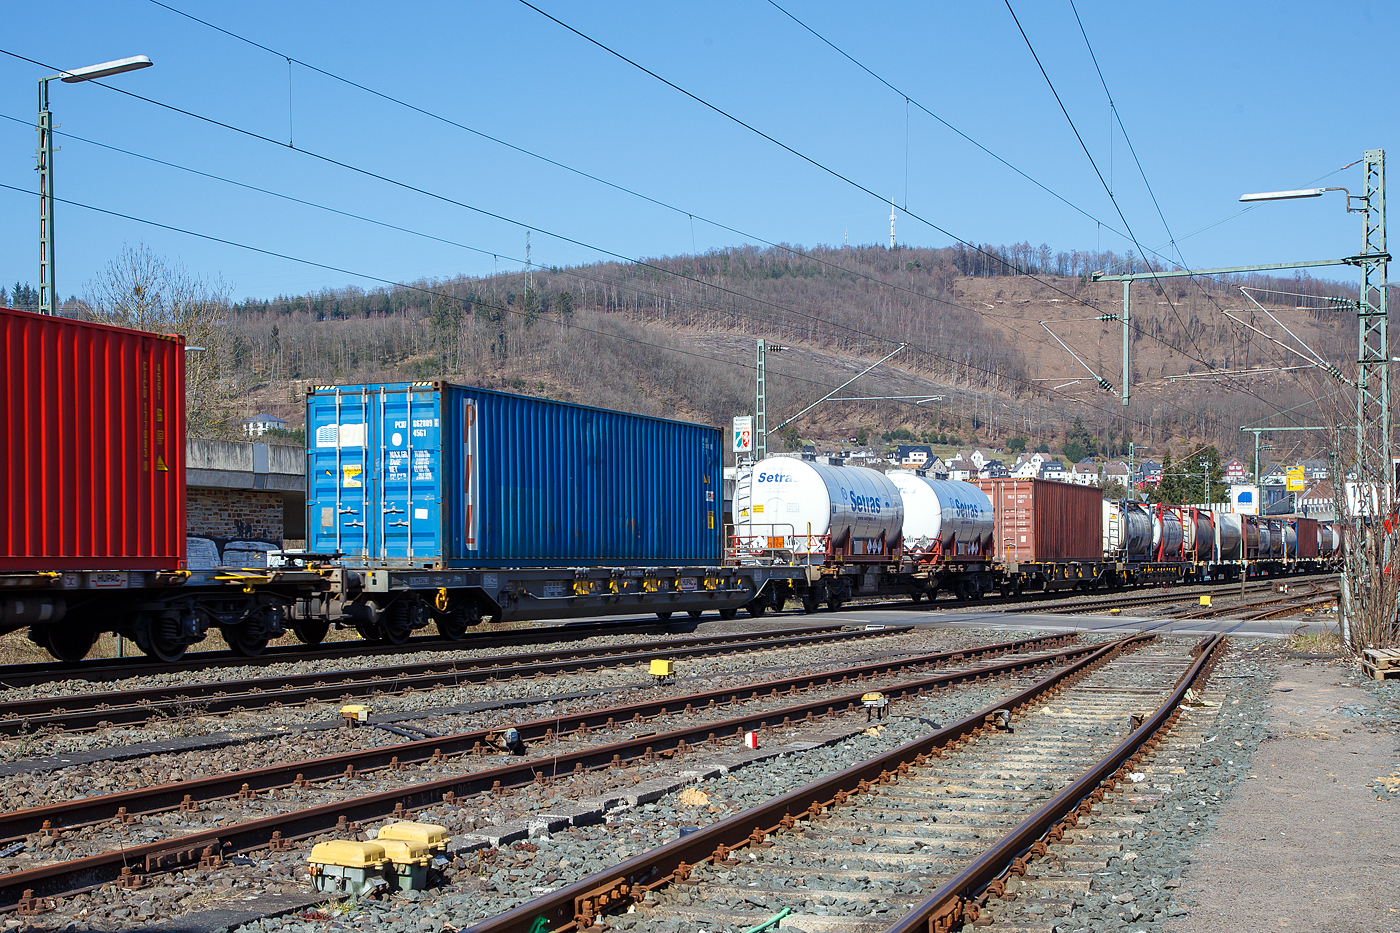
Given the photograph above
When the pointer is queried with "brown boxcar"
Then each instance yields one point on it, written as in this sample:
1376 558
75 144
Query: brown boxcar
92 455
1042 521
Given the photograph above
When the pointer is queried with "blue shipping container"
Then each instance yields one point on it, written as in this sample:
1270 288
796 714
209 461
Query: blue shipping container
438 475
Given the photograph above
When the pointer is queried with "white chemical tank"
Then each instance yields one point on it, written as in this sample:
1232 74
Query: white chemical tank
1127 530
1227 536
1166 534
956 515
1290 539
805 502
1265 539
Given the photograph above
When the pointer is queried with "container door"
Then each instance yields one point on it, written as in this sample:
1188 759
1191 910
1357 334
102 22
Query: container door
409 435
338 472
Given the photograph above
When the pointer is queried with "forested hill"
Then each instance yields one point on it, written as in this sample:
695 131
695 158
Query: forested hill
675 336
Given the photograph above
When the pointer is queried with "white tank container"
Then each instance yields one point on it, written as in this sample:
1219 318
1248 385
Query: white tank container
1265 540
958 515
1290 540
797 498
1227 536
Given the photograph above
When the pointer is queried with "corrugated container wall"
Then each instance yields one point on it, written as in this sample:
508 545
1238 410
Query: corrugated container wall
1307 538
93 449
432 474
1044 521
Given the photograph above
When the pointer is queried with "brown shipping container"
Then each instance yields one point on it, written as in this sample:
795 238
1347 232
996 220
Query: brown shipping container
1307 538
1042 521
92 455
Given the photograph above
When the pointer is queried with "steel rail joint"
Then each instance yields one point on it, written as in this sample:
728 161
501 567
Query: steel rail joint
960 899
574 906
54 878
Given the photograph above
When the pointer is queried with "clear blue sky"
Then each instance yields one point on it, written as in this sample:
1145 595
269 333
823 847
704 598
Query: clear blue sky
1218 99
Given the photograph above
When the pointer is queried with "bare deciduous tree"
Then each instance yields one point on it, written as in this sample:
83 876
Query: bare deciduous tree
142 290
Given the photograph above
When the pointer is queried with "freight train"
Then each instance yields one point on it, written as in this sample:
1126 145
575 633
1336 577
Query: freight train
860 532
430 504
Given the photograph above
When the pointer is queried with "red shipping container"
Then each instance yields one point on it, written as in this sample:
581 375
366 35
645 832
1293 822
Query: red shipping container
92 454
1042 521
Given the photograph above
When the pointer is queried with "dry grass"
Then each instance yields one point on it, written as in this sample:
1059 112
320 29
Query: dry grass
1329 643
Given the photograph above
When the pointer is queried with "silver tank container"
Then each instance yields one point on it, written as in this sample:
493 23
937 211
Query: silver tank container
1227 536
1166 534
1198 527
1127 530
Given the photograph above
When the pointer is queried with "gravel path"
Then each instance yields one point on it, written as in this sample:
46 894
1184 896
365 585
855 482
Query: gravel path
1309 842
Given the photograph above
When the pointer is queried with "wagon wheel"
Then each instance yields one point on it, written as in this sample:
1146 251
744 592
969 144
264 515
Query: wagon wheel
453 624
695 613
311 631
250 637
159 637
663 616
398 622
69 644
727 614
247 639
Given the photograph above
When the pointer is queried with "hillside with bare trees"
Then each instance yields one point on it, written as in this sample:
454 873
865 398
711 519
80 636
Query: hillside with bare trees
675 336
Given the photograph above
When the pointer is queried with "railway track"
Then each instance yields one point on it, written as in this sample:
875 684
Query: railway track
110 669
1159 599
955 813
84 711
427 773
98 670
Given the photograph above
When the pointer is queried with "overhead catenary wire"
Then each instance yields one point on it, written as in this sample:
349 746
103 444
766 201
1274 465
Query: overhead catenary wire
962 364
475 301
566 271
910 100
861 187
750 298
602 250
1117 208
691 215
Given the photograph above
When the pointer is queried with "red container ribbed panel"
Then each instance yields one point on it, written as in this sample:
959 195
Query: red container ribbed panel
92 446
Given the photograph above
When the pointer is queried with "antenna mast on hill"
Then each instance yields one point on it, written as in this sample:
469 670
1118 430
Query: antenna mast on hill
891 223
529 278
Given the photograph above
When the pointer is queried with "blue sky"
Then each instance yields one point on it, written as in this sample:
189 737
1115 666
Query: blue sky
1218 99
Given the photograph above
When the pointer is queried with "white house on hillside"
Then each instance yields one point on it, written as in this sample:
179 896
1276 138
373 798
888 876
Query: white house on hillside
261 423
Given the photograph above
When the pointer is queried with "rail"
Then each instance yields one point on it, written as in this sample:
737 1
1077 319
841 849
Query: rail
961 898
576 906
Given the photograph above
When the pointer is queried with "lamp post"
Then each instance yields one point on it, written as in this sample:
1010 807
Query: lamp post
1373 341
1368 553
48 296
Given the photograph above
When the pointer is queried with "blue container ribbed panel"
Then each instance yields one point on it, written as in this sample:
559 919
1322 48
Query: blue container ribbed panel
517 481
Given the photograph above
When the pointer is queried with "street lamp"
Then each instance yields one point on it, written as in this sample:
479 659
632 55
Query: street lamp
1287 195
48 295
